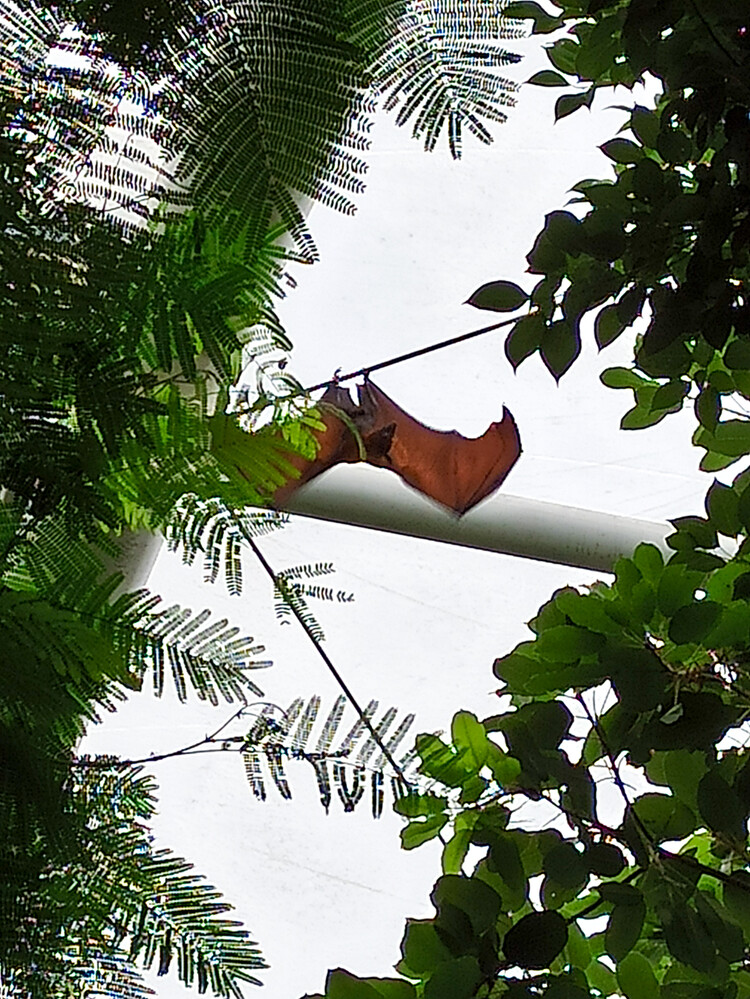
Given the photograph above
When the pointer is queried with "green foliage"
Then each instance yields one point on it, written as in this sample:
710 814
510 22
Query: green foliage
154 158
605 806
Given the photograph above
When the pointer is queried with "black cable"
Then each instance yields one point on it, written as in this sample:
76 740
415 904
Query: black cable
406 357
336 675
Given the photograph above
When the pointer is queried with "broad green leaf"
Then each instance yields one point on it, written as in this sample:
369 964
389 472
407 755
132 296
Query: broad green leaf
524 338
560 346
498 296
470 738
664 816
535 940
676 588
624 929
645 125
688 938
694 622
673 146
456 979
650 561
622 150
341 984
441 762
505 861
684 769
722 508
454 851
505 769
566 866
605 859
725 931
412 805
474 897
736 897
720 806
421 947
418 832
636 977
565 987
622 377
567 643
543 22
731 438
568 103
737 355
607 327
562 54
549 78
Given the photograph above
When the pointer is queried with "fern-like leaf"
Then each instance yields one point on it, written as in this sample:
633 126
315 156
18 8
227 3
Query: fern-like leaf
273 740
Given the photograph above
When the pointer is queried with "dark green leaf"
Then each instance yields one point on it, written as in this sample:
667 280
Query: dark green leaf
505 860
568 103
624 929
562 54
341 984
524 338
645 125
622 377
472 896
605 859
535 940
607 327
456 979
543 22
421 947
561 345
673 146
548 78
636 977
688 938
566 866
622 151
720 806
664 817
498 296
694 622
412 805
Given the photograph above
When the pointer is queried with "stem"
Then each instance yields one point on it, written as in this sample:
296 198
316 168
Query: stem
643 832
156 757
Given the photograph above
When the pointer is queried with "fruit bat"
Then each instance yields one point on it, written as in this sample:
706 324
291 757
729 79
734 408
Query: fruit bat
453 470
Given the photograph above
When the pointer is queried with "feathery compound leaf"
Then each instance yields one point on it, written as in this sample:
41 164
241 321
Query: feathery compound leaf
440 67
276 740
213 659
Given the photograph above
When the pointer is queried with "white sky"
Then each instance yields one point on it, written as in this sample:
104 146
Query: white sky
429 619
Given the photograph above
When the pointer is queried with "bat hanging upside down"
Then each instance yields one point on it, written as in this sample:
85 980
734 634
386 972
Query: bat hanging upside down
451 469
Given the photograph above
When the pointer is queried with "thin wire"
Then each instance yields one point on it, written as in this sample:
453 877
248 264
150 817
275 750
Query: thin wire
336 675
405 357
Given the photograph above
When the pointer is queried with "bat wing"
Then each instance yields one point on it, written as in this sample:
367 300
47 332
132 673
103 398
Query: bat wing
451 469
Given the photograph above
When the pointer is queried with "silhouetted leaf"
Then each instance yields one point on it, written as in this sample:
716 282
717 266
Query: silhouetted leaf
498 296
536 940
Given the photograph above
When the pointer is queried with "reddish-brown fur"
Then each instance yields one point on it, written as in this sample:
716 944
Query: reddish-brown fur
451 469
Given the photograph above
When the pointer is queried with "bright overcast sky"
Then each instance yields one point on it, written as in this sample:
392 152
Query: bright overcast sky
428 619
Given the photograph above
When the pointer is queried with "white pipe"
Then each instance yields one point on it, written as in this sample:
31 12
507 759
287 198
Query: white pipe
511 525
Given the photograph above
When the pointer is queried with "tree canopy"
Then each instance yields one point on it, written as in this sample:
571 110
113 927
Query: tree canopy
639 685
155 161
